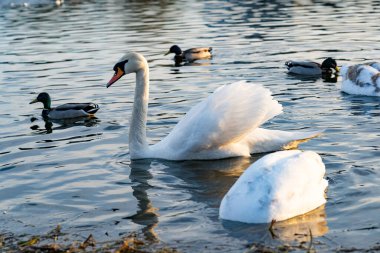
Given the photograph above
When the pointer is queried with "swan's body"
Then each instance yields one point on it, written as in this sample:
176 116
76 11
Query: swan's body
375 65
278 186
310 68
361 79
226 124
65 111
191 54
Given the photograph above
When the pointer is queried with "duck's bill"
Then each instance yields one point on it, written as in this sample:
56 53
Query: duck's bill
118 74
168 52
337 69
34 101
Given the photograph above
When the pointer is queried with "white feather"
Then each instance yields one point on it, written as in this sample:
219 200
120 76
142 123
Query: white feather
360 80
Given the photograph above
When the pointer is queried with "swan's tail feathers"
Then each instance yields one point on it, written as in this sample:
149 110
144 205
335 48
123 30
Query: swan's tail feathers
306 137
264 140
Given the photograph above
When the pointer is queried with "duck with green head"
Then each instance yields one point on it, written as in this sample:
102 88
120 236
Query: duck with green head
65 111
191 54
310 68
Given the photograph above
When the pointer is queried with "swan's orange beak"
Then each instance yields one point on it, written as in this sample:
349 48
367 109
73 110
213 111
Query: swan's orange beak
118 74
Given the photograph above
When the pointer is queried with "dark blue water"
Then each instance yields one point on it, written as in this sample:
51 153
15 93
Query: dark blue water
79 174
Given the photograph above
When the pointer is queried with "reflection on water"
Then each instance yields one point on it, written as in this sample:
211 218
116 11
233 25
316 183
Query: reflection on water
299 228
79 174
295 229
147 214
62 124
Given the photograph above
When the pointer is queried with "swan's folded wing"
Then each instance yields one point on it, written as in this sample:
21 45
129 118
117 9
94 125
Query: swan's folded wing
226 116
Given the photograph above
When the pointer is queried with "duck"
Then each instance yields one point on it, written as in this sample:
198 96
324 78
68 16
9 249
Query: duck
278 186
361 79
225 124
191 54
65 111
310 68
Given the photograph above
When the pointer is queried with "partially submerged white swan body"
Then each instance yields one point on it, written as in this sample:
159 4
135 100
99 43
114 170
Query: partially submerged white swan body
361 79
225 124
277 187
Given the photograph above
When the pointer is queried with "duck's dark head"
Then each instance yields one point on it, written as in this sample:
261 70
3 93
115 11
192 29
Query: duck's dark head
43 98
174 49
329 64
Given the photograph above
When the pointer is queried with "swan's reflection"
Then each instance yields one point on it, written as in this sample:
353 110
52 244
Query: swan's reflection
207 182
296 229
146 214
362 105
63 124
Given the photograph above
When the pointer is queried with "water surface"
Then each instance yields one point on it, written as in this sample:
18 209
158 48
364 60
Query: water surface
79 174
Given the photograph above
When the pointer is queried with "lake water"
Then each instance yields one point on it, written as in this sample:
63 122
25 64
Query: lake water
79 174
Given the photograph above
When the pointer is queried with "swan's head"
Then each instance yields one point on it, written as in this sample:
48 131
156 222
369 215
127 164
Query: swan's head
174 49
329 64
131 62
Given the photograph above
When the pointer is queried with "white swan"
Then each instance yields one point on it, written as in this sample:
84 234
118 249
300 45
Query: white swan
223 125
277 187
361 79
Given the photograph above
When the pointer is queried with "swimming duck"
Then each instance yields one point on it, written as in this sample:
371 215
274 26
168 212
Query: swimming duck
191 54
277 187
226 124
361 79
310 68
65 111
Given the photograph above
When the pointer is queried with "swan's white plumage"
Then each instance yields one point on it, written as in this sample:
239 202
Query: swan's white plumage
278 186
361 79
227 116
375 65
224 125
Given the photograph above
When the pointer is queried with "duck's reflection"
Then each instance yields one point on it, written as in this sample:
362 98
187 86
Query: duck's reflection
330 77
180 63
62 124
207 182
326 77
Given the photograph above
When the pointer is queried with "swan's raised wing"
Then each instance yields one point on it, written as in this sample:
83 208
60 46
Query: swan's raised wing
226 116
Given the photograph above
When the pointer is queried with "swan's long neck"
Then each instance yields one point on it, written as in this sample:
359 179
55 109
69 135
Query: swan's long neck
137 132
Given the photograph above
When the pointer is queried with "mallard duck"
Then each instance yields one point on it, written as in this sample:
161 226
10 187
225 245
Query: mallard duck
191 54
65 111
310 68
277 187
361 79
226 124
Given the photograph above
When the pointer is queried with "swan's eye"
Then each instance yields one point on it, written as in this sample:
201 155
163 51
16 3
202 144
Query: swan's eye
119 65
